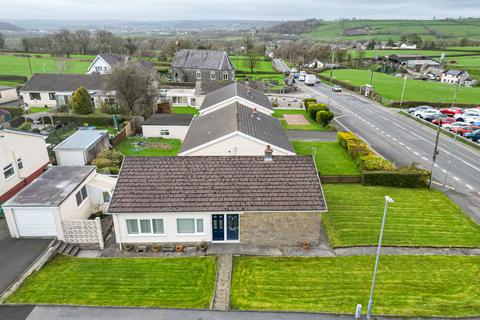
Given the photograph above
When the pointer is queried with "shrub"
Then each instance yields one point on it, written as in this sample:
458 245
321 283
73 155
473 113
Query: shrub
26 126
81 102
324 117
313 108
307 101
115 156
398 178
102 163
275 104
374 163
344 137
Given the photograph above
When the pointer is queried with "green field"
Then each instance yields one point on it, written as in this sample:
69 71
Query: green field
16 65
406 285
390 87
419 217
263 64
394 29
330 157
142 282
151 147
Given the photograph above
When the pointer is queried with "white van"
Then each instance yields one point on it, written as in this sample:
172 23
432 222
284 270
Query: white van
310 80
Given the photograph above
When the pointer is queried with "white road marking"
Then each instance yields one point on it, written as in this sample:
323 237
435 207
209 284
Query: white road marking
469 186
416 153
456 178
424 158
444 171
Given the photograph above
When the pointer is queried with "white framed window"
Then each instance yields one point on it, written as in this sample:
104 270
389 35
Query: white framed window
225 75
164 132
19 163
132 226
199 75
51 95
98 69
106 196
145 226
190 226
213 75
8 171
81 196
35 96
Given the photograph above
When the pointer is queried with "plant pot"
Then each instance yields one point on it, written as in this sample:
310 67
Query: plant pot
179 248
203 246
305 245
128 247
156 248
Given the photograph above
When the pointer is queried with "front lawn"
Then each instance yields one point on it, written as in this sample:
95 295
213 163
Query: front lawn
38 109
418 217
185 110
140 146
278 113
330 157
406 285
142 282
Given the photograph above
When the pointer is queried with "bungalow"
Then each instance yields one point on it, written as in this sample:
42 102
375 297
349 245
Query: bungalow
59 195
455 77
235 130
55 90
105 62
202 65
23 157
173 126
81 147
8 94
236 93
187 200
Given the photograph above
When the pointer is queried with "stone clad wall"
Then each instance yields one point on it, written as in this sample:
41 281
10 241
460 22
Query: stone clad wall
280 228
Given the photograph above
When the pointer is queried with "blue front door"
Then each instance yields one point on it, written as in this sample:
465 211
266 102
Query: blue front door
218 227
232 226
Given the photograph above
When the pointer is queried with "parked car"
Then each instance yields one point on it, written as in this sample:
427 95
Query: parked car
443 118
424 113
301 78
414 109
310 80
454 125
317 80
474 135
336 88
293 70
462 130
303 73
451 111
468 116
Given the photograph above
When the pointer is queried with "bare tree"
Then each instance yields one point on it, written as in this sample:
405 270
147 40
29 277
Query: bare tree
84 39
252 61
105 41
2 40
64 42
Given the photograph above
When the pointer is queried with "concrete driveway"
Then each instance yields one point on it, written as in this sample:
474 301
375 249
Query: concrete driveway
16 255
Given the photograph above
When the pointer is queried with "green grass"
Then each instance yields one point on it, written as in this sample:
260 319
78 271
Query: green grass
263 64
312 126
38 109
152 147
9 83
145 282
330 157
185 110
406 285
390 87
418 217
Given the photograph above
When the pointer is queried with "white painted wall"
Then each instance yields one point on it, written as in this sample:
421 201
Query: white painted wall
99 66
70 157
8 95
32 149
175 132
44 99
235 145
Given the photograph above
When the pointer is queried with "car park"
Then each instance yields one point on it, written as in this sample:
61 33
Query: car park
474 135
336 88
424 113
451 111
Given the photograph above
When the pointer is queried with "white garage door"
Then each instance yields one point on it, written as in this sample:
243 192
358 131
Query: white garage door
35 222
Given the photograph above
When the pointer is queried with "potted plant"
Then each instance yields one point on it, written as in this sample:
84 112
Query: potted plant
179 248
156 248
128 247
203 246
305 245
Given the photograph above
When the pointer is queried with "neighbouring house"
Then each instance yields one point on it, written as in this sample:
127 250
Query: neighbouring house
187 200
202 65
8 94
434 73
81 147
55 90
105 62
174 126
455 77
420 65
182 97
23 157
235 130
61 195
408 46
236 92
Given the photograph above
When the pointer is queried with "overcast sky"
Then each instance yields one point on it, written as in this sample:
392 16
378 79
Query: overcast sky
235 9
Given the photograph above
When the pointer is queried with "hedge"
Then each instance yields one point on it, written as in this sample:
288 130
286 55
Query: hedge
307 101
398 178
314 108
13 77
90 119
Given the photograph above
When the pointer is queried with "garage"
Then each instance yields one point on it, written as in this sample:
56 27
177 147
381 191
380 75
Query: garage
35 222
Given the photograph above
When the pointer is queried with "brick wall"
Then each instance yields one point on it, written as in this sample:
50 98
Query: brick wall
280 228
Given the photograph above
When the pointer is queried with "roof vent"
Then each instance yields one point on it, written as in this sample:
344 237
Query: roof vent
268 153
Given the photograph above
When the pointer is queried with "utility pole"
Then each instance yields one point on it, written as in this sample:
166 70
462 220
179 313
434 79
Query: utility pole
403 90
455 95
370 301
371 77
331 67
435 153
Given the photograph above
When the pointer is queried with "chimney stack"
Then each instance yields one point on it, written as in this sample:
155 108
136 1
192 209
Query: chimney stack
254 112
268 153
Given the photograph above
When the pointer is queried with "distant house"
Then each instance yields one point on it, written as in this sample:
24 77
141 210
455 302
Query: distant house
81 147
407 46
402 59
23 157
202 65
235 130
104 63
8 94
455 77
174 126
55 90
419 65
434 73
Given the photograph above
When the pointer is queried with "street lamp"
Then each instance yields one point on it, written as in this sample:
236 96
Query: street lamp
370 302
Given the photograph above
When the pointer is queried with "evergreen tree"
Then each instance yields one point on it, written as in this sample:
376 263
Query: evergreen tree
81 101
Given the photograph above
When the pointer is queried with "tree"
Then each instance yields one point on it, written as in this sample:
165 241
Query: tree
81 101
64 42
252 60
2 40
464 42
130 46
135 88
390 43
248 41
84 39
371 45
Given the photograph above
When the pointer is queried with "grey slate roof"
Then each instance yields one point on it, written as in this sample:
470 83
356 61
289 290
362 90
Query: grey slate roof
81 140
113 59
63 82
202 59
455 73
52 187
235 117
216 184
236 89
205 87
168 120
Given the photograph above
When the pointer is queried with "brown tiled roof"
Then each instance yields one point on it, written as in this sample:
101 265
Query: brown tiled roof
212 184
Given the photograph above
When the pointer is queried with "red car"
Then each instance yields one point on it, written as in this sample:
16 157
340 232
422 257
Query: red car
451 111
445 120
461 131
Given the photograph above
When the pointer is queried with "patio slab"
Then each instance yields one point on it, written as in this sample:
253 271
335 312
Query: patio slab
296 119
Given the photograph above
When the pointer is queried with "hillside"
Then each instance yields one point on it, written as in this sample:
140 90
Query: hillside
5 26
394 29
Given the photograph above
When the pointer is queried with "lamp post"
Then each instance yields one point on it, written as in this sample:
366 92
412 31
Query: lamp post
370 301
403 90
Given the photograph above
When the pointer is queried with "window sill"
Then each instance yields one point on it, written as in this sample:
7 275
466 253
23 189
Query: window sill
146 235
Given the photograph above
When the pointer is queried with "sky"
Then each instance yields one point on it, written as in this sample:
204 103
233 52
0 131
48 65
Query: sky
154 10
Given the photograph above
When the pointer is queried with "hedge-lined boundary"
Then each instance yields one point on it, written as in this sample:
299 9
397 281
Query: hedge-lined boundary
13 77
446 132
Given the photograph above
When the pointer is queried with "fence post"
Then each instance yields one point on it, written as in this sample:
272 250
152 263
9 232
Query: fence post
99 233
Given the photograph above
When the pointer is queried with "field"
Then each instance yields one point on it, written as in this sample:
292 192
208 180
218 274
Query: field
418 217
167 282
406 285
394 29
390 87
330 157
151 147
263 71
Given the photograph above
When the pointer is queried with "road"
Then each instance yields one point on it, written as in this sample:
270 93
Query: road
404 141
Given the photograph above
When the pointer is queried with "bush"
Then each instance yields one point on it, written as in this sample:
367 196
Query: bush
114 156
313 108
81 102
102 163
26 126
398 178
104 120
374 163
307 101
324 117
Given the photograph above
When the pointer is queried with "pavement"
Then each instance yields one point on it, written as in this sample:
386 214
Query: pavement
16 255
